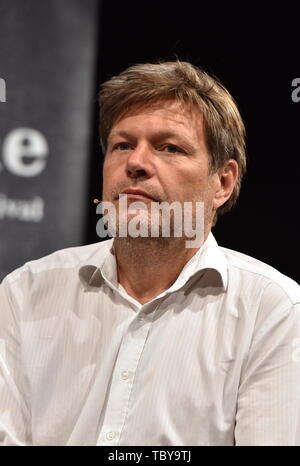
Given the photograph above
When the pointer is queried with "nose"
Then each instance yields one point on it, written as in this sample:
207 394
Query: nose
139 163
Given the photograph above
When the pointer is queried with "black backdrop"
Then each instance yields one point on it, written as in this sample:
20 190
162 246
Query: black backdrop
255 54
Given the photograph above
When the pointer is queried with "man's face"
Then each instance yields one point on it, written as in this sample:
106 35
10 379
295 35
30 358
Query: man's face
160 150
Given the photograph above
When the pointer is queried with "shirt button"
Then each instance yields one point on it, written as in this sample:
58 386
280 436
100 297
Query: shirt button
110 435
141 317
125 375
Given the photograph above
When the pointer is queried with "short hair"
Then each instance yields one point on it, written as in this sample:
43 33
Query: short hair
145 84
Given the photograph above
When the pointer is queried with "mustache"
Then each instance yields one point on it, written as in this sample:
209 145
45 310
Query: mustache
118 189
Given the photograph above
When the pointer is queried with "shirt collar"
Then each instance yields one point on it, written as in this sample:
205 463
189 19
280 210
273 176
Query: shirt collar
103 266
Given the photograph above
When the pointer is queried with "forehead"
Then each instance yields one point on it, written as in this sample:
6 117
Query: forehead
172 112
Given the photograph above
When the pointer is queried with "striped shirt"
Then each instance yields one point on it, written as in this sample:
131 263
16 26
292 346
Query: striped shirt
213 360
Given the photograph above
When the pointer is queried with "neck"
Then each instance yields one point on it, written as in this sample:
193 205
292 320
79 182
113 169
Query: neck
148 266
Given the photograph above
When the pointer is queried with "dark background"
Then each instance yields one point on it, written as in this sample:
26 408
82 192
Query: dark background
253 50
255 54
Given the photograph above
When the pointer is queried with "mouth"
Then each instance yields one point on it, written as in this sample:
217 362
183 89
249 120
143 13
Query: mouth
137 194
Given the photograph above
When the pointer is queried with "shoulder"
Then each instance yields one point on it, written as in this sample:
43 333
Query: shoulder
257 273
63 259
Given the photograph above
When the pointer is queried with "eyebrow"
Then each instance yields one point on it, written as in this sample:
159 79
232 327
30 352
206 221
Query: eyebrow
157 137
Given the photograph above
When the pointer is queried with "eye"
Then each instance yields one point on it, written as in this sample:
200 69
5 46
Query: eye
172 149
121 146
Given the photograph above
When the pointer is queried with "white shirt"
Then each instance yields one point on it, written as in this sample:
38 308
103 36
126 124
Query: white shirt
213 360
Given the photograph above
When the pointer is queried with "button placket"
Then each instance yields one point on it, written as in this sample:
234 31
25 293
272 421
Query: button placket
123 377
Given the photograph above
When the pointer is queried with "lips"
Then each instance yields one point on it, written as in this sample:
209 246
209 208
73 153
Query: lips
138 194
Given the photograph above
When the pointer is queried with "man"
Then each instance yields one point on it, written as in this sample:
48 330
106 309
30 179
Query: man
140 340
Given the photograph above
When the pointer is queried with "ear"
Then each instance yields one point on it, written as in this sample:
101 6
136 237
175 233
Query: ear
225 179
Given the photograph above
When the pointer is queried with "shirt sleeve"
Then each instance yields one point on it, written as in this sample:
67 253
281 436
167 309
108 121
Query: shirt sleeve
14 407
268 408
